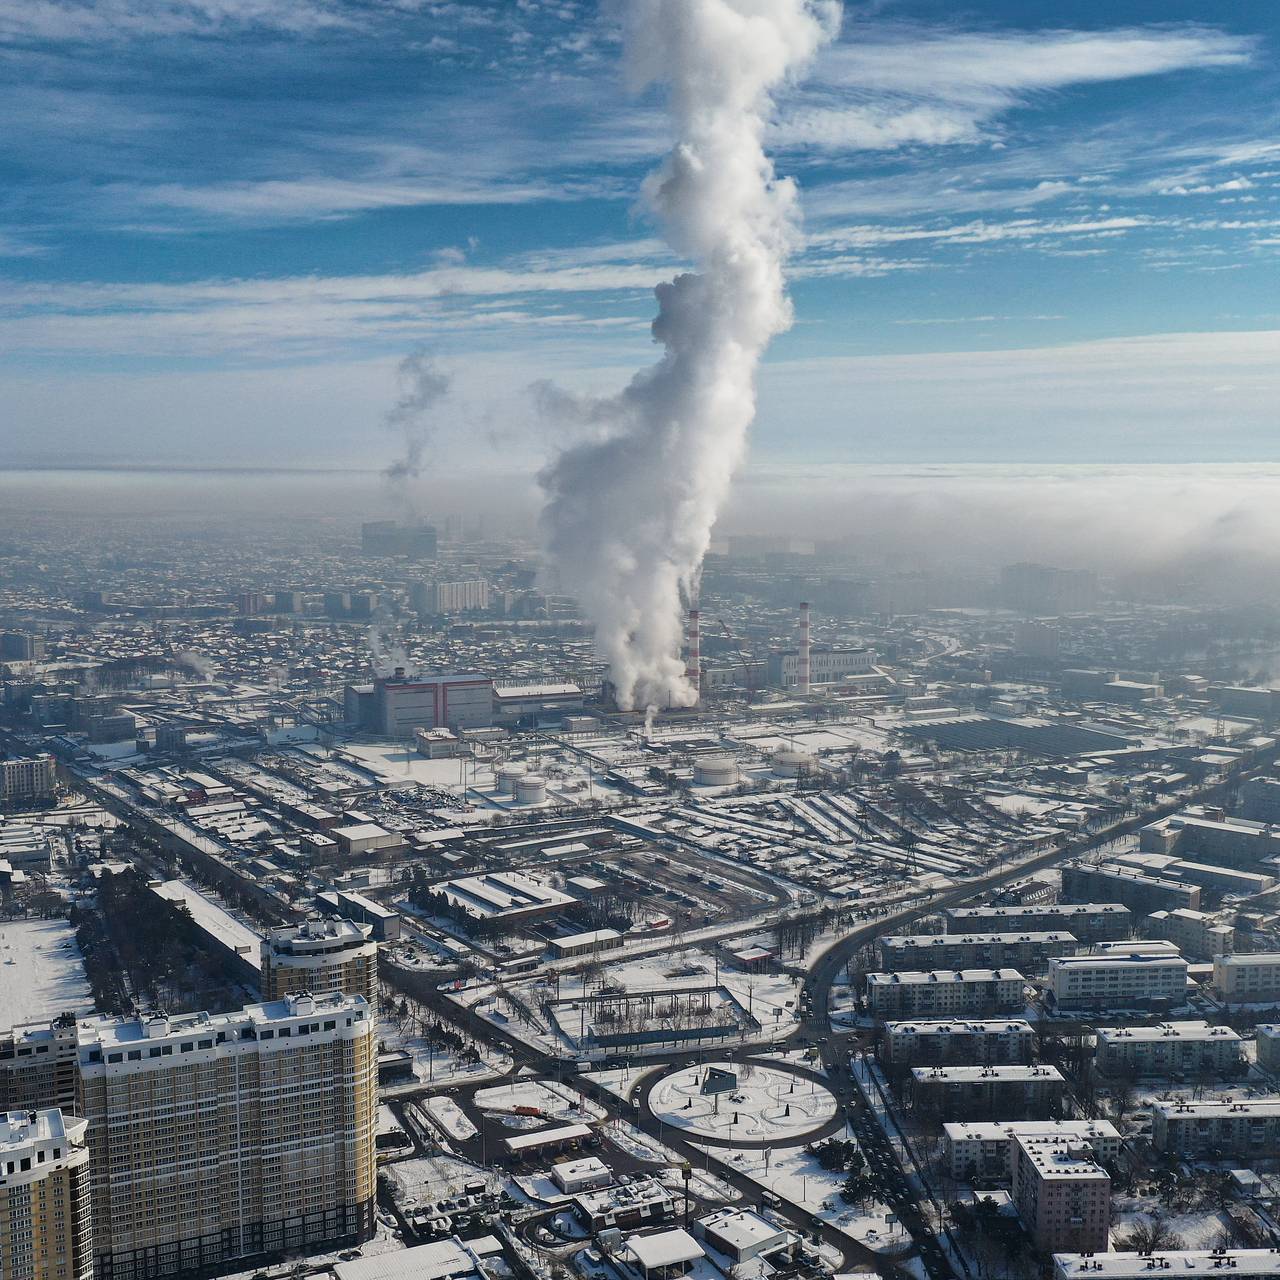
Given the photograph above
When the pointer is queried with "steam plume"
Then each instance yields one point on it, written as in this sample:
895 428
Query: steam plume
422 387
629 512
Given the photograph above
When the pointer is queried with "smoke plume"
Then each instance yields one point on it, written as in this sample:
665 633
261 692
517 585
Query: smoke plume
422 387
629 511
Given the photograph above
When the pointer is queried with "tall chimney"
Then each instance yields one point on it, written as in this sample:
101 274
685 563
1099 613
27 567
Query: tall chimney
693 664
802 667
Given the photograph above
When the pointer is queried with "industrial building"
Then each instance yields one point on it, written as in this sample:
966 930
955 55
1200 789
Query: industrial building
945 993
981 1150
282 1093
46 1217
1248 978
1062 1193
1187 1049
1135 980
505 897
1007 1092
827 665
1141 893
1026 952
1085 921
995 1042
1227 1128
403 703
321 955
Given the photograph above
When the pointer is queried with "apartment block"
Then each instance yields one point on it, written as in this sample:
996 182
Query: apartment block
1206 875
1062 1193
1085 921
945 993
1268 1044
1250 978
1026 952
215 1139
38 1067
46 1222
1010 1093
982 1150
1202 834
1189 1049
1193 1129
1135 981
1139 892
318 956
1193 932
27 779
993 1042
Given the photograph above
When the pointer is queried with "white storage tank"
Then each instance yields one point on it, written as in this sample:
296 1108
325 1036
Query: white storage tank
531 789
791 764
715 771
508 776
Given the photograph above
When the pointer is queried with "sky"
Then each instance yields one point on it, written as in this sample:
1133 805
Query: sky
1032 232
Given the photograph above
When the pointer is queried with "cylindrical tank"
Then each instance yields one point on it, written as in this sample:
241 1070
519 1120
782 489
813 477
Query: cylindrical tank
531 789
508 776
715 771
791 764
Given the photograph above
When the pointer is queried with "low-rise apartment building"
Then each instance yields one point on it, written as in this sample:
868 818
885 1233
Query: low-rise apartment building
1195 933
1116 981
1186 1264
945 993
1026 952
1268 1045
987 1042
1085 921
1248 978
1188 1049
1232 1128
1141 893
1010 1093
982 1150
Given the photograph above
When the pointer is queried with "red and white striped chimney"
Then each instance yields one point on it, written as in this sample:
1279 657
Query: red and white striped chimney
802 666
693 663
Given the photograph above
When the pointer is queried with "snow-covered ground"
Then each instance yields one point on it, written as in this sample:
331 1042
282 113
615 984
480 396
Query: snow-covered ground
767 1104
436 1065
797 1177
41 972
448 1116
549 1098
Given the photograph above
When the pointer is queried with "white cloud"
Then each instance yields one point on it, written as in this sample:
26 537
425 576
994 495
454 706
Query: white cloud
899 86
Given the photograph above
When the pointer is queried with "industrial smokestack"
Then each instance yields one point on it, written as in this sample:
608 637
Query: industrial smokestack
693 667
630 510
802 666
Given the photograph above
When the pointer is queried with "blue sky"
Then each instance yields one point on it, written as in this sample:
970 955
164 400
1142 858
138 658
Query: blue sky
1034 231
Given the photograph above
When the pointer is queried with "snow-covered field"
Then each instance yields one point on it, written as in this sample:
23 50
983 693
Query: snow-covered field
795 1176
41 972
767 1104
551 1099
448 1116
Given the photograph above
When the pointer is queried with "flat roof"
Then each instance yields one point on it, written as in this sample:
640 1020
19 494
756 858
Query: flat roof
1169 1031
214 920
1182 1262
1257 1108
440 1260
665 1249
1007 1074
1006 1130
917 976
545 1137
959 939
957 1026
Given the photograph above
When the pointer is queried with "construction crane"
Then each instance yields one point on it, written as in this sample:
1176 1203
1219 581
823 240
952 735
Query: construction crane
748 664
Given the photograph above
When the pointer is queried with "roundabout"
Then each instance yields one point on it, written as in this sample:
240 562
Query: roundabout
741 1102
